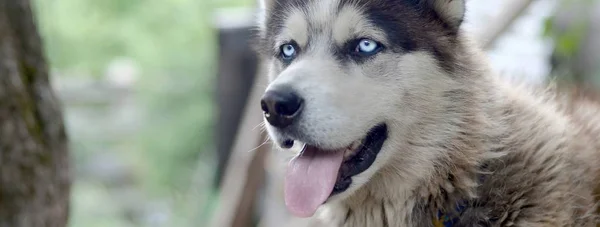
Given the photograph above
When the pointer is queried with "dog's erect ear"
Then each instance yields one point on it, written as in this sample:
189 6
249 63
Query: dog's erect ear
451 11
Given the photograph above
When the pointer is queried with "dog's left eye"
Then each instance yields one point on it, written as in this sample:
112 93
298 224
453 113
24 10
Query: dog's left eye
367 47
288 51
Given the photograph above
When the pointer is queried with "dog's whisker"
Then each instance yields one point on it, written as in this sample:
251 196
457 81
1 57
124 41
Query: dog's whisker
267 141
260 125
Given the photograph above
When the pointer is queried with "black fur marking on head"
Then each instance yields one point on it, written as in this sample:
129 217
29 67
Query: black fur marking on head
413 25
347 52
410 25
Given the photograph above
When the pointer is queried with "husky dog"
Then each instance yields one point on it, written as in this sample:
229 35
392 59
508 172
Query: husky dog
404 124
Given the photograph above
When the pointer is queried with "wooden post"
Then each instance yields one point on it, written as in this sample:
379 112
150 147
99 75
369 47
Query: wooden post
237 70
243 173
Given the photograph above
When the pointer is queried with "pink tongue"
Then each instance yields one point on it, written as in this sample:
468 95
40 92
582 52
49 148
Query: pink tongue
310 179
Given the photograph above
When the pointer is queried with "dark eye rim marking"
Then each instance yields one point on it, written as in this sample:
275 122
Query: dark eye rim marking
353 48
288 59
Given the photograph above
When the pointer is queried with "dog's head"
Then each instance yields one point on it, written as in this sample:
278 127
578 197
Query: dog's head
351 79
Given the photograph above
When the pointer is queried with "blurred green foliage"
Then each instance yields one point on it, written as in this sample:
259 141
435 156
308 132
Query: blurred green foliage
173 44
570 30
568 41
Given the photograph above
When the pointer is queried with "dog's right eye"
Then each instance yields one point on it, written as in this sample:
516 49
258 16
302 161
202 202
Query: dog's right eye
288 51
363 49
367 47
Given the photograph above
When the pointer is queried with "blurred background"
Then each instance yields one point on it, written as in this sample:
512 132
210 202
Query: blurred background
155 91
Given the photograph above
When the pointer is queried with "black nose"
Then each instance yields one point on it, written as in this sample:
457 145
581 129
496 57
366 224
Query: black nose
281 107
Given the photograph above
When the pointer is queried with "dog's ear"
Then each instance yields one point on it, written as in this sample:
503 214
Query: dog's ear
451 11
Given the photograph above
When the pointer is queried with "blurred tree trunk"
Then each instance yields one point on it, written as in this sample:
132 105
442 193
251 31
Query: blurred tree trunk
34 170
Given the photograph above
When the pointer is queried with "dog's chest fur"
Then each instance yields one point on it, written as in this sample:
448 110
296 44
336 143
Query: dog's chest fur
509 197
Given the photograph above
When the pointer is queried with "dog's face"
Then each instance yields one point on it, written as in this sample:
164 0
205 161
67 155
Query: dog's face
350 78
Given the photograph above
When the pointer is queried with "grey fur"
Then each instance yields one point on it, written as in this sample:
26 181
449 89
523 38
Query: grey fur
512 155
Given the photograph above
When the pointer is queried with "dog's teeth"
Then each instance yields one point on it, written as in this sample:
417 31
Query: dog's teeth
355 145
297 147
347 153
351 149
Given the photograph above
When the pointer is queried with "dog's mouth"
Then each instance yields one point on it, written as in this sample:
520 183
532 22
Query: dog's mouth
316 174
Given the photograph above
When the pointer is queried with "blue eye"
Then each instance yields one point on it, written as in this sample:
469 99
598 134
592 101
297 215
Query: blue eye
367 47
288 51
